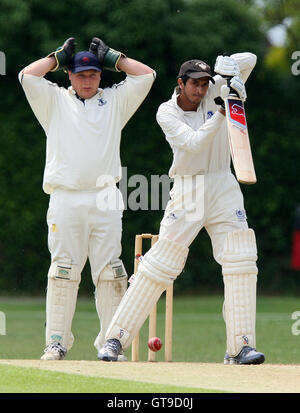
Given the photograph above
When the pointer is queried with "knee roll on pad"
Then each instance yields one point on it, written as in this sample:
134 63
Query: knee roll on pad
64 270
62 289
240 253
115 270
240 275
164 261
110 289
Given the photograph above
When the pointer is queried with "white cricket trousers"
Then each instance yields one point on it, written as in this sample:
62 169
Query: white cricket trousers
213 201
78 229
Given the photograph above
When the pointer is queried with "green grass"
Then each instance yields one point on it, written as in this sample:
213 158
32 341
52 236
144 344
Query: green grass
198 329
30 380
198 336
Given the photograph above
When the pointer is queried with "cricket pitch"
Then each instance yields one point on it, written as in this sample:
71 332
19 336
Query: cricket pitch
264 378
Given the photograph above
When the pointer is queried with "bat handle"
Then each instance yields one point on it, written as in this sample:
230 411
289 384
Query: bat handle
232 92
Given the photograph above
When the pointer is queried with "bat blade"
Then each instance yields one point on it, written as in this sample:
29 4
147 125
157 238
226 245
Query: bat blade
239 141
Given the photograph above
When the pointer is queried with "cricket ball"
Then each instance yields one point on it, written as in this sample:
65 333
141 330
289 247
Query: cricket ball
155 343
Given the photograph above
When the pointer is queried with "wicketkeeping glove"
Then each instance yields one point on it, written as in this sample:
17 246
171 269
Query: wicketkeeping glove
63 54
108 57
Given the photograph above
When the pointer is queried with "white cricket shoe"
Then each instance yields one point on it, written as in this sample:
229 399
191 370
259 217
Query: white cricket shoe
54 351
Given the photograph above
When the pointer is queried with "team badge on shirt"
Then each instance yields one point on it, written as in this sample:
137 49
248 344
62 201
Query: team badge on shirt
101 102
241 214
172 216
209 114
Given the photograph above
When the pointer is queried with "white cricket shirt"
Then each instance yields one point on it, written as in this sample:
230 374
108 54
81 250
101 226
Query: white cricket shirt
83 139
199 138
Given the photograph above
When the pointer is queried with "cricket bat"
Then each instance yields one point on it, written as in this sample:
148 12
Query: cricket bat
239 140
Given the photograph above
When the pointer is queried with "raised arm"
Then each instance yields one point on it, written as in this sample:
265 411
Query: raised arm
181 135
237 64
133 67
54 61
114 60
40 67
246 62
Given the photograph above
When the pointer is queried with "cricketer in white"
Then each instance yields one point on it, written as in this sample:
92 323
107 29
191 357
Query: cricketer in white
205 194
83 125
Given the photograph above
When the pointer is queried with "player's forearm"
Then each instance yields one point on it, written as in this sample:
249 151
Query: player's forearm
200 138
184 137
246 62
133 67
40 67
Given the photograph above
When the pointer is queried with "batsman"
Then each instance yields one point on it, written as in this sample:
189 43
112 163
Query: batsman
83 126
205 194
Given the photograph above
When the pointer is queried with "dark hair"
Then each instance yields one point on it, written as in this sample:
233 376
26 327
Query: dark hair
184 78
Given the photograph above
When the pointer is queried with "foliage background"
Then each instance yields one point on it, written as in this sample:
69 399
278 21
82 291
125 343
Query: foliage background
162 34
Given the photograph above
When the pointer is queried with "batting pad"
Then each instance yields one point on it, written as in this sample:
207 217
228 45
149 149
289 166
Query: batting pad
62 289
240 276
134 308
110 289
159 267
164 261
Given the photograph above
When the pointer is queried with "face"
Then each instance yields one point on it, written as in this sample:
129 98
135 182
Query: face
194 90
85 83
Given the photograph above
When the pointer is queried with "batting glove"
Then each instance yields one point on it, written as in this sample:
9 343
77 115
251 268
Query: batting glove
226 66
225 90
63 54
237 84
108 57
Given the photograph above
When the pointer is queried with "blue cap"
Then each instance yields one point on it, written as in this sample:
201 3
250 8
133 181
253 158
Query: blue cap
84 61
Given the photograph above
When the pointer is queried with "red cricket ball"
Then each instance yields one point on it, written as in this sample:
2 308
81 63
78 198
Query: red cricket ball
155 343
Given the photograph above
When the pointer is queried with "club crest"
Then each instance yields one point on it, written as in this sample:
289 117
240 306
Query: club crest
241 214
101 102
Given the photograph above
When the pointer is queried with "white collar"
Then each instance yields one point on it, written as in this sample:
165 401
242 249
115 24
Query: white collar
73 92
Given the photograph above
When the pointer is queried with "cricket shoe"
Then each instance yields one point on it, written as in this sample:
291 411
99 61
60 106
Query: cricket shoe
111 350
54 351
248 355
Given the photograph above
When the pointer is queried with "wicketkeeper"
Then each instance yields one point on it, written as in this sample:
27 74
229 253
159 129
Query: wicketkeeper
83 126
205 194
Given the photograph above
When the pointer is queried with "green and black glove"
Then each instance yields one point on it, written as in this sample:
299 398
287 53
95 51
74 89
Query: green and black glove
108 57
63 54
